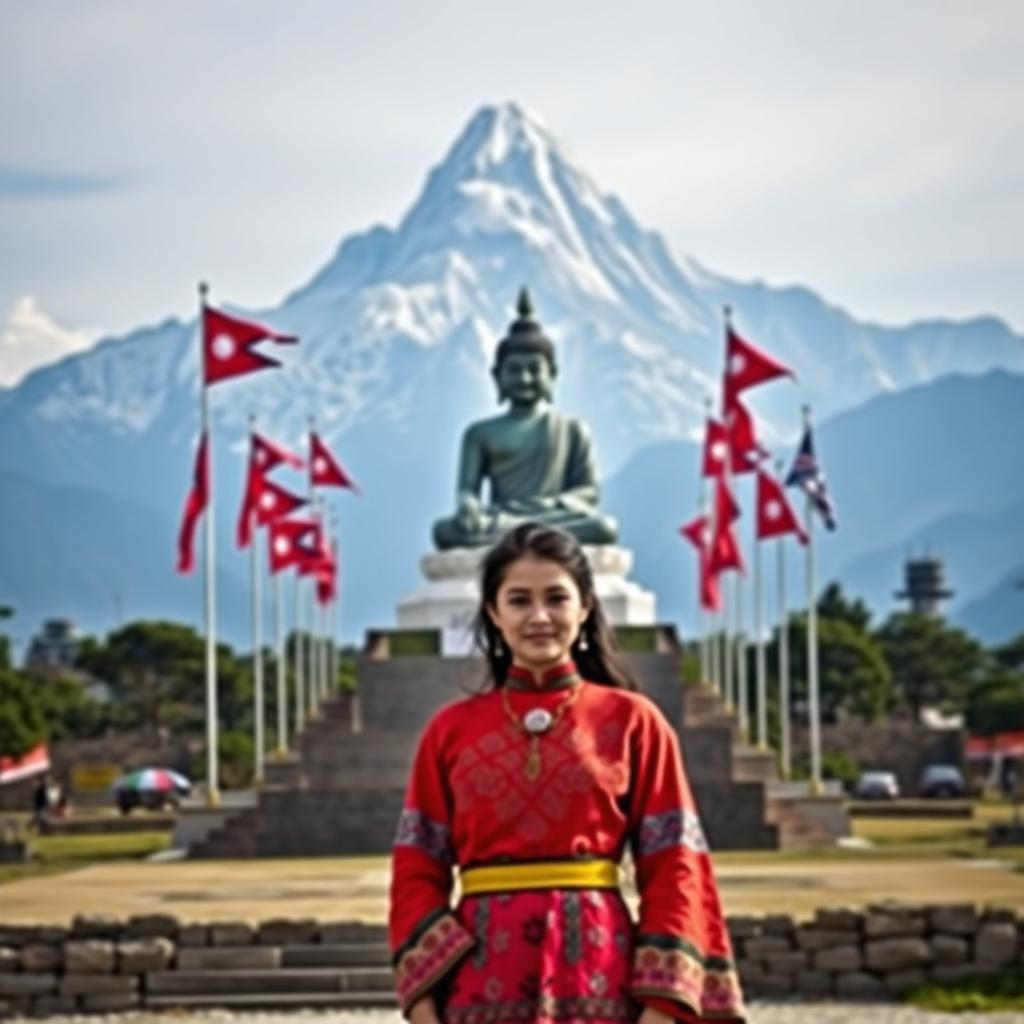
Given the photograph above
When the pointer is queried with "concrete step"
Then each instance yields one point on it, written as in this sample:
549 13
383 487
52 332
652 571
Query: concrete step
337 955
212 958
296 980
753 765
275 1000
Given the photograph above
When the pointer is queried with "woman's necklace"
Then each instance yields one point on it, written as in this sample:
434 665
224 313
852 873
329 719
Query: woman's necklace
534 724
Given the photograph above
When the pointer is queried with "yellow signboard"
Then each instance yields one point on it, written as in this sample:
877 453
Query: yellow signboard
93 778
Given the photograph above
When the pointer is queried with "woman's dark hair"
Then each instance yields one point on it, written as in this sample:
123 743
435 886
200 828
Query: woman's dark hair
601 660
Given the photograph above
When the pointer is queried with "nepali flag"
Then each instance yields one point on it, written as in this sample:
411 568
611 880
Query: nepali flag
264 500
288 543
775 515
725 551
747 366
197 500
324 468
322 568
698 533
807 474
228 345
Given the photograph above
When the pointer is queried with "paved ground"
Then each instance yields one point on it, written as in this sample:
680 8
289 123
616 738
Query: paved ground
762 1013
357 887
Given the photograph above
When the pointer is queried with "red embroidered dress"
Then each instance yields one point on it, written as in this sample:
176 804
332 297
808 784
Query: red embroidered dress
610 774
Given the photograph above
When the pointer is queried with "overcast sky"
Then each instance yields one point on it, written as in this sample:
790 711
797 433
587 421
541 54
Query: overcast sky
871 150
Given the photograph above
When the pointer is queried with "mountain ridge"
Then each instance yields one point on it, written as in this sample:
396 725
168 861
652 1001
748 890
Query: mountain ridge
398 330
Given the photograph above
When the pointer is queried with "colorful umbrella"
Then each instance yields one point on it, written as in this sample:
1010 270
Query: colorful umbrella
153 780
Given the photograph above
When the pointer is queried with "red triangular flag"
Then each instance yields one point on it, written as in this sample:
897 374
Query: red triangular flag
696 532
745 450
228 345
287 545
710 591
196 501
716 447
725 550
264 455
272 501
324 469
747 366
775 515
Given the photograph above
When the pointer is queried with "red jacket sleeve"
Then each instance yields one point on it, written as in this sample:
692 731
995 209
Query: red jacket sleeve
683 956
427 940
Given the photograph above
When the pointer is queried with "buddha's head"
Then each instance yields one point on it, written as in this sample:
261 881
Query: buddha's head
524 364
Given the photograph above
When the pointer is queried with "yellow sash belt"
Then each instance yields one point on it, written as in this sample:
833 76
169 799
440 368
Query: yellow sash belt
545 874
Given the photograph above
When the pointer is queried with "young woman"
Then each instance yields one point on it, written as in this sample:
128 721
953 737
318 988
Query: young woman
533 789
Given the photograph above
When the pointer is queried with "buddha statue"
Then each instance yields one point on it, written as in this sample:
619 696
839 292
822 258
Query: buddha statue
538 464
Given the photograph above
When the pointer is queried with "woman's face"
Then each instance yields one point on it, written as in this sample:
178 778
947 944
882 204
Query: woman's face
538 611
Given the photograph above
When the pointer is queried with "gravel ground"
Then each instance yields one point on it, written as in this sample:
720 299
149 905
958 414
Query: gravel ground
760 1013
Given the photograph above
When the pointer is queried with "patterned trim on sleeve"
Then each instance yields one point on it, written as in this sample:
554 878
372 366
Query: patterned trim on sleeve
658 832
671 968
432 837
436 945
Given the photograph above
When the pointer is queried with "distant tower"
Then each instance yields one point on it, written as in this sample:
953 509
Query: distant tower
924 585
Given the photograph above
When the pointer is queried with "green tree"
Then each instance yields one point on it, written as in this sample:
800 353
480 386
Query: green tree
996 702
21 722
932 663
852 674
834 604
1011 654
156 671
6 611
67 710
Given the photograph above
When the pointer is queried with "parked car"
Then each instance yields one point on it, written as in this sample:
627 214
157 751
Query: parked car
876 786
942 781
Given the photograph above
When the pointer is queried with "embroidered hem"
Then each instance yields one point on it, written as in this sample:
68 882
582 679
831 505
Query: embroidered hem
435 947
671 968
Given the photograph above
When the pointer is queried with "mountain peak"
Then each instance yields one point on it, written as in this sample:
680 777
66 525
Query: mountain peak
494 135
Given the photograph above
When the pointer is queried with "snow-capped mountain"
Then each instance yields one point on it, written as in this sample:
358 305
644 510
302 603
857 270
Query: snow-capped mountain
397 332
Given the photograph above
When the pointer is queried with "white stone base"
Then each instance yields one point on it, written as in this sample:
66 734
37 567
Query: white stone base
448 601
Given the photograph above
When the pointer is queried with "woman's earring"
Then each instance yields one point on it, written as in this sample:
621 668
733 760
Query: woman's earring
499 650
583 645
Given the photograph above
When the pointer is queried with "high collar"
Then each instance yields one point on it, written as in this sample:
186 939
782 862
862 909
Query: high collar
558 677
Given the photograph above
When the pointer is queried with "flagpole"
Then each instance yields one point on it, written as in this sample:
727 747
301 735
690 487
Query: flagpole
785 749
209 590
335 618
740 648
813 703
257 637
282 681
311 701
762 672
300 680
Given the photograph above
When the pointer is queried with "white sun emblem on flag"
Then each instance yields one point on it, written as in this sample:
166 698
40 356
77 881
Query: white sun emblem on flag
268 500
737 364
773 510
223 346
320 464
282 545
718 450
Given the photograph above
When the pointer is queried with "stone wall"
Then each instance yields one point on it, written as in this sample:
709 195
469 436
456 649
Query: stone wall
100 963
905 748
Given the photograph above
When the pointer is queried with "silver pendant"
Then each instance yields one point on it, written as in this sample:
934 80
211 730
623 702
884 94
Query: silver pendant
537 720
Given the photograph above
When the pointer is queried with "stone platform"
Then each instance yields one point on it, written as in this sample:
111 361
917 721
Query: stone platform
342 791
448 600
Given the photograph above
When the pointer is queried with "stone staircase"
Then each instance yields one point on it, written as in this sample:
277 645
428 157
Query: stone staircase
341 791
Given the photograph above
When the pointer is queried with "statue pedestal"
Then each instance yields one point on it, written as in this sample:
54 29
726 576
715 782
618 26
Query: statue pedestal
449 599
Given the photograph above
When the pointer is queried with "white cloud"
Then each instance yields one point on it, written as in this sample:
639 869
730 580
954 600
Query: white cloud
29 338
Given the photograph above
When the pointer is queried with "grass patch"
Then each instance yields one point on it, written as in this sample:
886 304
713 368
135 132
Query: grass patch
1004 991
55 854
